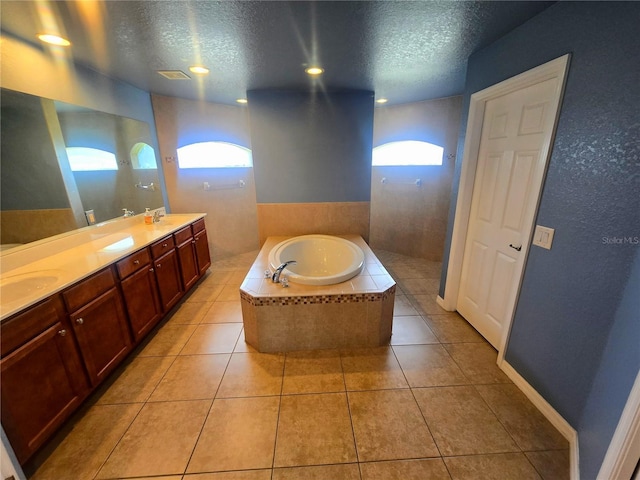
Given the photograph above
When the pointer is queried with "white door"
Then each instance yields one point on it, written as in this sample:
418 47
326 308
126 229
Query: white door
515 135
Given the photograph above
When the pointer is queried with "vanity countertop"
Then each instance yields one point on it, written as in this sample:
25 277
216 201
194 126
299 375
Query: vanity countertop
34 273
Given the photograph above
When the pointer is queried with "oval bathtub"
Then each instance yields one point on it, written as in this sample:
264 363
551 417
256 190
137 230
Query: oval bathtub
321 259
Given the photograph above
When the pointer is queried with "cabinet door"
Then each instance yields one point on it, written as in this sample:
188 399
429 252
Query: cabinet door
42 384
102 333
202 251
188 264
168 276
141 300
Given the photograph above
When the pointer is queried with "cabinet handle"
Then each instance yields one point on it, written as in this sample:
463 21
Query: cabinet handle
158 265
164 245
151 269
62 333
136 262
193 241
80 321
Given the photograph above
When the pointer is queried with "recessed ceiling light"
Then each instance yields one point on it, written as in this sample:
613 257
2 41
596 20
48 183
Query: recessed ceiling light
54 40
199 70
314 70
382 100
242 100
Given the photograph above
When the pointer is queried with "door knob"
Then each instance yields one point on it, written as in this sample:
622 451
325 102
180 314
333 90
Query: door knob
515 248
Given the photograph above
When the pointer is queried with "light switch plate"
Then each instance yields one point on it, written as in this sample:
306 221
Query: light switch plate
543 237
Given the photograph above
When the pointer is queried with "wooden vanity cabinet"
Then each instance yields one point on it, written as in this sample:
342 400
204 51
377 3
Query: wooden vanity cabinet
99 323
43 380
167 272
201 246
138 281
187 256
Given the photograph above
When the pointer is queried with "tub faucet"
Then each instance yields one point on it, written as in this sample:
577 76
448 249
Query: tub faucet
276 275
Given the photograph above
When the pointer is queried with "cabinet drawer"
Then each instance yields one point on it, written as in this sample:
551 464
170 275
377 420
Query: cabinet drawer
183 235
198 226
162 246
29 324
133 263
85 291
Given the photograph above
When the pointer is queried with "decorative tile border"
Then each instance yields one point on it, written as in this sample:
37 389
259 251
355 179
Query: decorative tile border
316 299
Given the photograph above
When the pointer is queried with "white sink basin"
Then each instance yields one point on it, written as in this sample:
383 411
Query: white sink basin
14 287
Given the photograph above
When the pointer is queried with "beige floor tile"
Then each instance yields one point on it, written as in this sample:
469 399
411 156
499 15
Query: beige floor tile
242 346
239 475
426 304
551 465
372 369
205 293
224 312
402 306
239 434
528 427
431 468
411 331
212 338
252 375
159 441
189 313
216 277
88 444
478 362
316 371
452 328
191 377
428 366
137 380
348 471
229 293
237 277
510 466
314 430
420 286
461 422
168 340
163 477
388 425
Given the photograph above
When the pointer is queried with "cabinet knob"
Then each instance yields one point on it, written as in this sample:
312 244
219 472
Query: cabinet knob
158 265
193 241
151 269
136 262
62 333
80 321
164 245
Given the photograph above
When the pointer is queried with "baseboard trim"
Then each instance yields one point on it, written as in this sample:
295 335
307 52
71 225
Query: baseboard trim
440 301
566 430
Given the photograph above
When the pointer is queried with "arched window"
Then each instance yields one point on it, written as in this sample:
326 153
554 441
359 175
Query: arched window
409 152
84 159
214 155
143 157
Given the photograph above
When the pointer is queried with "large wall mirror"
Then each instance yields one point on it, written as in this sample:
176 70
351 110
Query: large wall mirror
64 167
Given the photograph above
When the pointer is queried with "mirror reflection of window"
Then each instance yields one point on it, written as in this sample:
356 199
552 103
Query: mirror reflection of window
409 152
214 155
143 157
85 159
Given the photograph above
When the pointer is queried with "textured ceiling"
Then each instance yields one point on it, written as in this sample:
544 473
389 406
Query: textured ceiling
405 51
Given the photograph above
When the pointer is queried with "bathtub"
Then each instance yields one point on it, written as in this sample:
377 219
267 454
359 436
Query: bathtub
320 259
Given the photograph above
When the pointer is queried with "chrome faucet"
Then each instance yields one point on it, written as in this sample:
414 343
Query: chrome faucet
275 278
157 216
128 213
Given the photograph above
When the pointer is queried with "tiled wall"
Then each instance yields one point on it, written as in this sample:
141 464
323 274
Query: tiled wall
406 218
331 218
232 225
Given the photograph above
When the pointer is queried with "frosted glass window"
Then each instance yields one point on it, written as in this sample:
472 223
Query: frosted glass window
143 157
85 159
214 155
409 152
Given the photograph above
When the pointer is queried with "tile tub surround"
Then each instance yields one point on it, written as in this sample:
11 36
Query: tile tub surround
351 314
76 255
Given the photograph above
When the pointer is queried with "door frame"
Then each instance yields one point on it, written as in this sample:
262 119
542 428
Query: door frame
557 68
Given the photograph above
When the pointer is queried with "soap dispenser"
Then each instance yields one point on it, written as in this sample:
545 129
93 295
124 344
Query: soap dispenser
148 218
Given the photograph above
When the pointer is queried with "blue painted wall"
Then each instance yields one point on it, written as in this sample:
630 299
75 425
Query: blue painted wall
571 300
311 146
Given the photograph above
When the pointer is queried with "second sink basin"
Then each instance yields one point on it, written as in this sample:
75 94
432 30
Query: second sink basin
14 287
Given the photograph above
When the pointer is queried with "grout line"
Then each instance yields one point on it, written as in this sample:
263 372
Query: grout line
353 430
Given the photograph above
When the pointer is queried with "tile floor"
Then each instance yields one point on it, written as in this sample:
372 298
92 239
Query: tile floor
194 402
